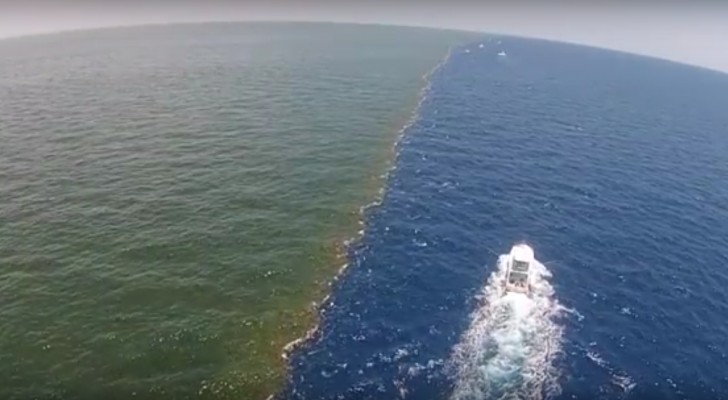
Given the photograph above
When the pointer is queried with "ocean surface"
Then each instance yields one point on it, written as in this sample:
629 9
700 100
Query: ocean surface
173 199
613 167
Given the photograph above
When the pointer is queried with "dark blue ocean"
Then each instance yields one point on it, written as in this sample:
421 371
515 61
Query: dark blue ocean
613 167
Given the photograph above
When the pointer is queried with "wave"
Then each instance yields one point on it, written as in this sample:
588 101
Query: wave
509 350
620 380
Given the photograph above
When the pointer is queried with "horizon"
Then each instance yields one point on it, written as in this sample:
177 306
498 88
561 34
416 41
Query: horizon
690 34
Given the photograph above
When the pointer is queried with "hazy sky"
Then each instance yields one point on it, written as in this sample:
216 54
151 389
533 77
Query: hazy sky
693 32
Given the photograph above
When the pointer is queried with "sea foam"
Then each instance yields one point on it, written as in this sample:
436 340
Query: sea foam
509 350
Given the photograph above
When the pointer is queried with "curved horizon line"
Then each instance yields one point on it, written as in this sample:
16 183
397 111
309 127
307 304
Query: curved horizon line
91 29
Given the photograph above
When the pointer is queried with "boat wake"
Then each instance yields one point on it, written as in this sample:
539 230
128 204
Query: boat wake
509 350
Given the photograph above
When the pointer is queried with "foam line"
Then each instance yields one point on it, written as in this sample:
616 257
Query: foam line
292 346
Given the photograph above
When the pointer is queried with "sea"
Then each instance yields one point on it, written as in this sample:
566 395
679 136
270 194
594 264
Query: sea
174 199
611 166
179 204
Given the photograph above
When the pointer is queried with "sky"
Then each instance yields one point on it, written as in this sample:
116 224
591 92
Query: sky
691 32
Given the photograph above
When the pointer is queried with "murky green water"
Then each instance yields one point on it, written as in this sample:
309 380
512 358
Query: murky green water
171 198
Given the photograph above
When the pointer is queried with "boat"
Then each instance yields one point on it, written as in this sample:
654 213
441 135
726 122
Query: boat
518 269
502 53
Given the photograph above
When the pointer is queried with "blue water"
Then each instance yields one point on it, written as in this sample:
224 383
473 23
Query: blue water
612 166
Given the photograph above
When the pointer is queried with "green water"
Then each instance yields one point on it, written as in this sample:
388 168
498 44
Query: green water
171 198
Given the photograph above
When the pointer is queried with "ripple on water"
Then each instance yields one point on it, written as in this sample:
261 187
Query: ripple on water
608 164
172 197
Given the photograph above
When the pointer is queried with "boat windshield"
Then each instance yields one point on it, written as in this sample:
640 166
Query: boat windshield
520 266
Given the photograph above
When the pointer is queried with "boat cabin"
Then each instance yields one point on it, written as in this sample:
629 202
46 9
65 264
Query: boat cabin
518 273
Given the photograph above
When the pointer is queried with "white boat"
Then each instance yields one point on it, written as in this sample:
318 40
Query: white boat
518 269
502 53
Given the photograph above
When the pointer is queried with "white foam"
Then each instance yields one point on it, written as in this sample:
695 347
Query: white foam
508 352
620 379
